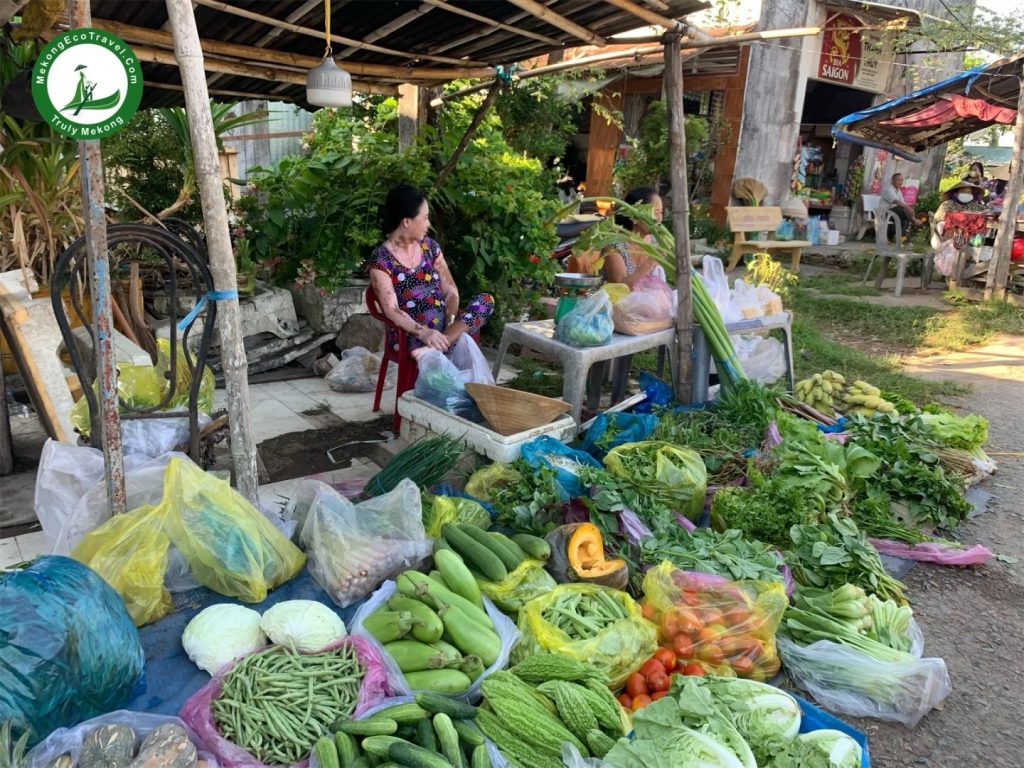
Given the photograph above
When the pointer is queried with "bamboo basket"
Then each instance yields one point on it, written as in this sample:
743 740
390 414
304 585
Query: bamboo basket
509 411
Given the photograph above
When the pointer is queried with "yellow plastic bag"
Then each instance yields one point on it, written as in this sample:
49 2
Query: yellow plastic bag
184 378
728 627
485 480
527 581
130 553
453 509
618 649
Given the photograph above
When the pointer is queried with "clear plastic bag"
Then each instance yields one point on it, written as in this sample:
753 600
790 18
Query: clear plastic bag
717 285
69 650
357 371
352 548
618 649
197 712
441 383
68 741
745 299
945 258
454 509
850 682
762 358
486 479
467 357
65 475
686 603
771 302
527 581
589 323
647 309
503 625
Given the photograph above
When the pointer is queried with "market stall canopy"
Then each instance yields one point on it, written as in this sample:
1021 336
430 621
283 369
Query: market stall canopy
263 49
970 101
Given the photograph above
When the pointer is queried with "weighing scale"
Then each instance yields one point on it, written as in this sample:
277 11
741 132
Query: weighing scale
571 287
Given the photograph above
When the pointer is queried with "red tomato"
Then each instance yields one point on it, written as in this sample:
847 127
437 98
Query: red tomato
694 669
666 657
636 684
641 701
647 610
712 616
683 647
687 621
651 666
658 695
658 681
742 666
736 616
669 625
625 700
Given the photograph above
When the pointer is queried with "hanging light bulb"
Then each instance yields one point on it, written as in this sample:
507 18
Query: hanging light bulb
327 84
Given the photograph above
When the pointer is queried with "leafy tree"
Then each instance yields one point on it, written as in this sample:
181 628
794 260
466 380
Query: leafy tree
539 116
648 161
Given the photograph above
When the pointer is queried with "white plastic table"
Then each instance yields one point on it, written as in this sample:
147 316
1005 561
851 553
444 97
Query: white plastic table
539 335
702 355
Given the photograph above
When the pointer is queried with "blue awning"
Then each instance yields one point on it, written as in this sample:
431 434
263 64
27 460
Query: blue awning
998 84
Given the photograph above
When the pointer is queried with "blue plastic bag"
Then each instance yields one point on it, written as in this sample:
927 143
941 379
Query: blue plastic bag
626 428
68 648
546 451
659 394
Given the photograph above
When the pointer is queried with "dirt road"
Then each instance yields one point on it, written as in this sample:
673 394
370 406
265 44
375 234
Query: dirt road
974 618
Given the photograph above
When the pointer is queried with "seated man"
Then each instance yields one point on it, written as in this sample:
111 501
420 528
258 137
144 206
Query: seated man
892 200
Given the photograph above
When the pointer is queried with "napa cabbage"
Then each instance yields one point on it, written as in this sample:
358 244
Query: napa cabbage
766 717
820 749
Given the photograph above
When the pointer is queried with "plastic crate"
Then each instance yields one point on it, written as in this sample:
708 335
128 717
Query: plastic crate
815 719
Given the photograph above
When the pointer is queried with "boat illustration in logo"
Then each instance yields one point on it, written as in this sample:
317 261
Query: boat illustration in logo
84 95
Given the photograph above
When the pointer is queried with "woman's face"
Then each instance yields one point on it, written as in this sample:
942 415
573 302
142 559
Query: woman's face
417 227
657 213
964 195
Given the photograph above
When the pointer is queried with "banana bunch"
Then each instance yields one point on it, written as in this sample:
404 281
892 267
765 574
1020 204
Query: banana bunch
821 391
863 399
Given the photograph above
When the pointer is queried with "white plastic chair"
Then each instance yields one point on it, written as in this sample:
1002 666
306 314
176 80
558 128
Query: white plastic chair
893 250
870 205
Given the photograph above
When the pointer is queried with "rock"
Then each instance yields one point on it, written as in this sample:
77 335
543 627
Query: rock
361 331
167 746
109 746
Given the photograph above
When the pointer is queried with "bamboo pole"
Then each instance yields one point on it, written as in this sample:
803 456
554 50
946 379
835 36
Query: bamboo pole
464 141
544 13
222 263
392 26
715 42
680 215
135 34
217 92
999 271
319 34
648 16
492 23
107 423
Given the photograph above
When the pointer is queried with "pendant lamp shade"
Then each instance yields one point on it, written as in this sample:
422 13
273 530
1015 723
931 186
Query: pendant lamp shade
328 85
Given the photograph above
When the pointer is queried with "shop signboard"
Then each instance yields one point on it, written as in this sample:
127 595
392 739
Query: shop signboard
850 57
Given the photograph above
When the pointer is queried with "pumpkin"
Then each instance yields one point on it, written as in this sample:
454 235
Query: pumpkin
577 554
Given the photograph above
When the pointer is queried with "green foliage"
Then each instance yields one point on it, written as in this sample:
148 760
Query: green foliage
764 270
648 159
539 116
703 227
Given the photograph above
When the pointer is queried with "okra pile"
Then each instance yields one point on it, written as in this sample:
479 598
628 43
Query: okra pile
583 616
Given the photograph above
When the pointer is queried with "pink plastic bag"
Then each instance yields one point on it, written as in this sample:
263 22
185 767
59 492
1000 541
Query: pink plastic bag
933 552
648 308
197 712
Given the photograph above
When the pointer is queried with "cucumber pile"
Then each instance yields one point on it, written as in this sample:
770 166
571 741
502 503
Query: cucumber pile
436 629
431 732
490 555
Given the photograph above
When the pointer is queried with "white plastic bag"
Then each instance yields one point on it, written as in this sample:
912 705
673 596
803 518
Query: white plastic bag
762 358
771 302
945 258
467 357
357 371
149 438
503 625
647 309
848 681
69 740
746 301
353 548
589 323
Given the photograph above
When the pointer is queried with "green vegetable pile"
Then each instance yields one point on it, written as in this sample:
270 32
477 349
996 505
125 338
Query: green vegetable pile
766 509
728 554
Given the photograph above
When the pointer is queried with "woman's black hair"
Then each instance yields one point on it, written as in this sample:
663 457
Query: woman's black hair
638 196
402 202
981 168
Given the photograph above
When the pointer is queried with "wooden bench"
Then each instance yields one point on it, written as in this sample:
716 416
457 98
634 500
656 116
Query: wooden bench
766 219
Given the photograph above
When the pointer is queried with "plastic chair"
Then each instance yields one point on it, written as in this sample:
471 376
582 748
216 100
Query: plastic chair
407 368
887 251
870 205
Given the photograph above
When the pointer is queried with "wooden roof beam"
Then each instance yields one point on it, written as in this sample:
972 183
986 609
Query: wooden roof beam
492 23
648 16
132 33
544 13
386 29
218 91
218 5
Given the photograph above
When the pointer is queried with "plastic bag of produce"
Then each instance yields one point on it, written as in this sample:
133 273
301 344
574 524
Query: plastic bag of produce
675 474
357 371
485 480
618 647
845 680
527 581
441 383
762 358
454 509
589 323
198 711
727 627
68 649
468 358
647 309
352 548
132 729
546 451
613 429
506 630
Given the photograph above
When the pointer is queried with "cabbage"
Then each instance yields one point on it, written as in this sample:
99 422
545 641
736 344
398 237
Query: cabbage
304 625
218 635
769 719
821 749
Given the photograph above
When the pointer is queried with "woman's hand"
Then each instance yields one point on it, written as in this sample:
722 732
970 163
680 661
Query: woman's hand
434 339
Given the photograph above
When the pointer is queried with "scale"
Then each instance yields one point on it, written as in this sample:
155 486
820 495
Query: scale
571 287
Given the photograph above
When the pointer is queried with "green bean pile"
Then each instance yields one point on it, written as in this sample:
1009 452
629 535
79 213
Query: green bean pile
583 616
276 703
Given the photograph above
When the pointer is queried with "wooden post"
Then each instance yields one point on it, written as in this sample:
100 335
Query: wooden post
107 423
408 115
464 142
680 214
189 55
999 271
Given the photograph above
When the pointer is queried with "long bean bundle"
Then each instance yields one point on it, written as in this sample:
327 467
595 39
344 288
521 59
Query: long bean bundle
425 462
583 616
277 702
